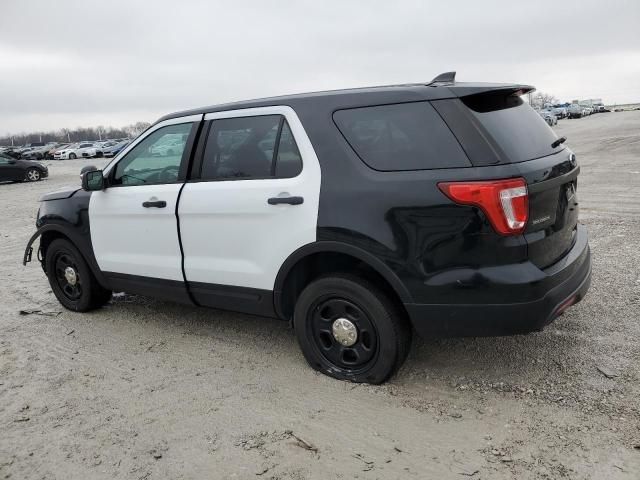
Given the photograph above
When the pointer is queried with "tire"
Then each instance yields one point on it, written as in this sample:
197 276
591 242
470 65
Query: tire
72 156
382 332
85 293
32 175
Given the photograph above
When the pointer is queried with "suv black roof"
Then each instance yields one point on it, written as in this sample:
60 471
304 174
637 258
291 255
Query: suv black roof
351 97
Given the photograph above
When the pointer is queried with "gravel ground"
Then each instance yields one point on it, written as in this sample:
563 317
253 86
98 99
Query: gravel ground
145 389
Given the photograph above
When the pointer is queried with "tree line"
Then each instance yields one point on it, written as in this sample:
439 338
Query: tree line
78 134
540 99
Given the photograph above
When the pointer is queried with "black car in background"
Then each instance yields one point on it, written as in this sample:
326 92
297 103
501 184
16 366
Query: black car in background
12 169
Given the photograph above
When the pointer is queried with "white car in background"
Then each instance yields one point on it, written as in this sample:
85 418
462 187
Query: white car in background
560 112
168 148
548 117
77 150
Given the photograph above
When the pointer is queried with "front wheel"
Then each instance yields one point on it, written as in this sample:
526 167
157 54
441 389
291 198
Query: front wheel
71 280
72 156
349 329
32 175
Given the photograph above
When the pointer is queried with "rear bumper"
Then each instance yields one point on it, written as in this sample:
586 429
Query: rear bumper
561 285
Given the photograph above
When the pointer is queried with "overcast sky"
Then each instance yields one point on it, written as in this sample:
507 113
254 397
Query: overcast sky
69 63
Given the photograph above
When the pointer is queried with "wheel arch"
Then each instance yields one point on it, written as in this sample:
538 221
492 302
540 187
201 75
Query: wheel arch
293 275
50 232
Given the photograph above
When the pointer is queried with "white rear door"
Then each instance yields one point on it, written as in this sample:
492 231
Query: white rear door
134 228
256 201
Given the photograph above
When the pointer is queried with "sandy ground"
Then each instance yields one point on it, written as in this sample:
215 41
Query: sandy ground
144 389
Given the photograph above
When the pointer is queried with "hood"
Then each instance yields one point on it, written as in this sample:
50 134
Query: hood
64 192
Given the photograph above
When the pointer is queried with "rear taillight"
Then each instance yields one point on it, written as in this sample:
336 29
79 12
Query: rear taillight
504 202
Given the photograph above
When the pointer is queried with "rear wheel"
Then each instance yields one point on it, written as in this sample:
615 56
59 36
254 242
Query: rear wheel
32 175
71 280
349 329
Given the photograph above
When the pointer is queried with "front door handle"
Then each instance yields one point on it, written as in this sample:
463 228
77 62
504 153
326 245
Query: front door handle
287 200
155 204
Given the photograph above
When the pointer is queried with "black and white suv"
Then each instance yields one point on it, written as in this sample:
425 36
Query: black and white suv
355 214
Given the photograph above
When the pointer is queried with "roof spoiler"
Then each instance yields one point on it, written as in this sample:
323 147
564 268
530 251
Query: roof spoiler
446 78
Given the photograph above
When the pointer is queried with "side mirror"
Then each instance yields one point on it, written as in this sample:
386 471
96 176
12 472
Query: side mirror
92 180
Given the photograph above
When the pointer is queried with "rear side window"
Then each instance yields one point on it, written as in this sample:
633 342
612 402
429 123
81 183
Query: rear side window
404 136
246 148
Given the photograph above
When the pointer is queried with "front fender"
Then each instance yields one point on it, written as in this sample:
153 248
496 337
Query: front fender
28 251
75 239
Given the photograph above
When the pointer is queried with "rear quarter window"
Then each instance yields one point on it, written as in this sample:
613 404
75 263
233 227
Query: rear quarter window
404 136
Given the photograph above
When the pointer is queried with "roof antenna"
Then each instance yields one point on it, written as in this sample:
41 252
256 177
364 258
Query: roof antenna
444 78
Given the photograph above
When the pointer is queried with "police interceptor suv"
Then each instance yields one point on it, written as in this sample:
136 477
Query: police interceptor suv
358 215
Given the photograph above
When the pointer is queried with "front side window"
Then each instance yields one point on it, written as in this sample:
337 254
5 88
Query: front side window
250 148
156 159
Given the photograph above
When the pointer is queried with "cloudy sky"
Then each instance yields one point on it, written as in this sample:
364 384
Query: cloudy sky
69 63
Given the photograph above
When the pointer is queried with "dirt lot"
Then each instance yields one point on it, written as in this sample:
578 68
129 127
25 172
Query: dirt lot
144 389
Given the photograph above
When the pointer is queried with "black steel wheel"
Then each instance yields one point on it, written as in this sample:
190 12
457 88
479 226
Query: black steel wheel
71 280
67 276
349 329
342 332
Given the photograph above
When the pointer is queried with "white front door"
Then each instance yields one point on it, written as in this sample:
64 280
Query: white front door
134 229
256 201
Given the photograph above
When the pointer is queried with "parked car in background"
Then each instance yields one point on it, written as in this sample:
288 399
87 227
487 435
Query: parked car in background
575 111
12 169
11 151
77 150
115 149
560 112
22 152
168 147
103 145
51 151
34 144
548 117
38 153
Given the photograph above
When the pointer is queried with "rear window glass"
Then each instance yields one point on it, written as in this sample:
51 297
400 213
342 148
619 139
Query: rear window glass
405 136
513 125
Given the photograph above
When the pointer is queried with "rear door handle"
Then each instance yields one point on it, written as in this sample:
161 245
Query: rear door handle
155 204
287 200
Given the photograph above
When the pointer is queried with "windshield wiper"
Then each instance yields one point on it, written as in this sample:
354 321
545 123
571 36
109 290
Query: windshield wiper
558 142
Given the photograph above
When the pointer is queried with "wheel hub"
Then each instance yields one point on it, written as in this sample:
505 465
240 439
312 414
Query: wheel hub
344 332
71 276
